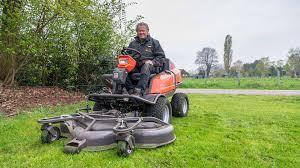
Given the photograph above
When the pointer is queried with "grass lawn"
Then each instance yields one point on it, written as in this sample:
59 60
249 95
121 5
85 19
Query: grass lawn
221 131
285 83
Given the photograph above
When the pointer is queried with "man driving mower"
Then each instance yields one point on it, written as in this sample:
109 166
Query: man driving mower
125 121
151 54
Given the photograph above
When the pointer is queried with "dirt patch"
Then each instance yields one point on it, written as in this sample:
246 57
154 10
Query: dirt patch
15 99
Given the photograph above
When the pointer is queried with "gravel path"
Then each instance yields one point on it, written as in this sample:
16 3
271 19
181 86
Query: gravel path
244 92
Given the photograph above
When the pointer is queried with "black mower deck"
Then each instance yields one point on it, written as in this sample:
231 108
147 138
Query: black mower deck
96 132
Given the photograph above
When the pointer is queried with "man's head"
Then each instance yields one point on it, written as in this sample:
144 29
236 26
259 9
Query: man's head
142 30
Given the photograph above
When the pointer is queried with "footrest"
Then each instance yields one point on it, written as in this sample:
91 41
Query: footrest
74 146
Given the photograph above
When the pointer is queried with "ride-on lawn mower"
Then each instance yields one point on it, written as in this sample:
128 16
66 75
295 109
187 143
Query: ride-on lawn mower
120 119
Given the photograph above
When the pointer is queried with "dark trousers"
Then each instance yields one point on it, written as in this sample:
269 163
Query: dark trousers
146 70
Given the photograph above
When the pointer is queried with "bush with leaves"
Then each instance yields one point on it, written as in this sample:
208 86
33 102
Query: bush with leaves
61 42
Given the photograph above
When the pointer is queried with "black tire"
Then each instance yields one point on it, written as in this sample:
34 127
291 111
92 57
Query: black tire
123 149
180 105
47 137
161 109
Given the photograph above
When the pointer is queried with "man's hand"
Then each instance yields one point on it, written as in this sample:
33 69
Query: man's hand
148 62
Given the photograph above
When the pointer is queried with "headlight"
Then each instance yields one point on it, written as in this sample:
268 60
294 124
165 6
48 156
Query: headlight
123 61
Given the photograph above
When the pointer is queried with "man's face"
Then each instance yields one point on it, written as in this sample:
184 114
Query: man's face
142 32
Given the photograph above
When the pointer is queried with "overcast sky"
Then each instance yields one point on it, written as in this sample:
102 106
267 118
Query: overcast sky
259 28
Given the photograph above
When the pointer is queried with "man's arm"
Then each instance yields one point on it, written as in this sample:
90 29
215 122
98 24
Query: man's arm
158 53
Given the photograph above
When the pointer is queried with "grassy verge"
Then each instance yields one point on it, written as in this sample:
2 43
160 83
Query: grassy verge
221 131
245 83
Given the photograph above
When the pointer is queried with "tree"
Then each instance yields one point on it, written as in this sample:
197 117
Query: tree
218 70
249 69
237 66
263 66
227 53
61 43
294 61
10 28
279 65
288 70
275 69
206 59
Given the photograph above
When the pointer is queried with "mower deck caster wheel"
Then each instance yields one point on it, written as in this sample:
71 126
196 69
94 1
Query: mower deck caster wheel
123 149
48 137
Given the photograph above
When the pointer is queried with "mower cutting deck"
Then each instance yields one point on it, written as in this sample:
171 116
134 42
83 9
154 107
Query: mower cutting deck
94 132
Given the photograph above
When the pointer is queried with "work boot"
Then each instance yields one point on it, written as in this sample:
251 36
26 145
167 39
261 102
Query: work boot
137 92
124 91
130 91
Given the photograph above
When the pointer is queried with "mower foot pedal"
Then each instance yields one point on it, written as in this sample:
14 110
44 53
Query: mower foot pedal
74 146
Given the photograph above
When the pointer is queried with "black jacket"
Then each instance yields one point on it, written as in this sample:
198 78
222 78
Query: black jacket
149 48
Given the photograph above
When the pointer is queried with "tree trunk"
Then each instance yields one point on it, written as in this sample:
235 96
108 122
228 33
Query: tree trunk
9 31
207 71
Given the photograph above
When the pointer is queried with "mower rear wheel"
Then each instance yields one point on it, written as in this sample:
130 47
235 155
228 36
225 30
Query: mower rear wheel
161 109
180 105
48 137
124 149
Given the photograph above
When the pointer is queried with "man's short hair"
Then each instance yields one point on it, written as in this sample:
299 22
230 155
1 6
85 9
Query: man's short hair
142 24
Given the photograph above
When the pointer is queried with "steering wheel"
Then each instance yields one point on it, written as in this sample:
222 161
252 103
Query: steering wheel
133 52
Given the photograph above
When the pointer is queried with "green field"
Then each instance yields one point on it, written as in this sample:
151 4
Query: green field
245 83
221 131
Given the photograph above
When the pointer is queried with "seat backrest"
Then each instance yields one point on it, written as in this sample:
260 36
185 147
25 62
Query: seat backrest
166 64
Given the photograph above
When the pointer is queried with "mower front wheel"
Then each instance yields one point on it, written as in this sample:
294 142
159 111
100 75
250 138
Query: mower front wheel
161 109
124 149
